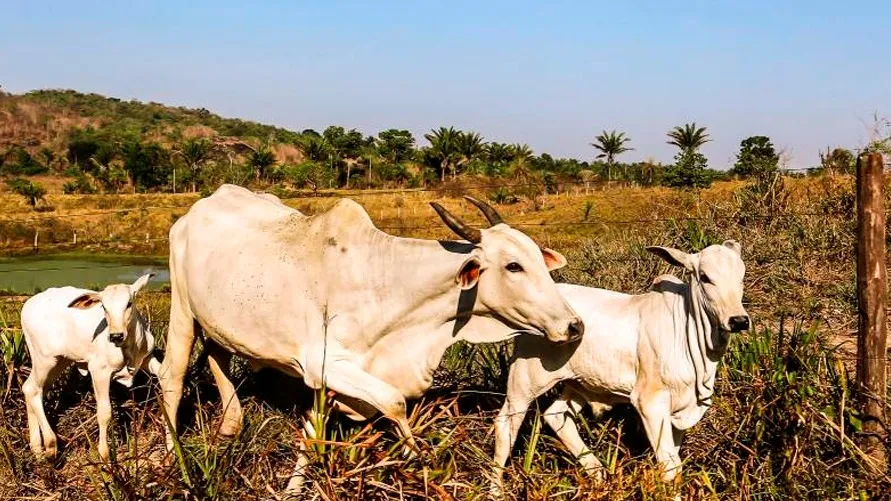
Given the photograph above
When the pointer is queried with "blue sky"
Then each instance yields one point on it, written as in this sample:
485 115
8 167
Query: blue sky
550 74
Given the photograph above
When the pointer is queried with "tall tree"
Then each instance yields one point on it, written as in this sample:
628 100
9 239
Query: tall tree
344 148
195 153
444 148
262 159
610 145
395 146
688 138
756 157
470 147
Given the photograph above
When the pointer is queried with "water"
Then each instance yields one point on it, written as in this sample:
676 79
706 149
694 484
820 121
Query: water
26 275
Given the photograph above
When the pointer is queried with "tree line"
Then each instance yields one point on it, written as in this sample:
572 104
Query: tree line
128 155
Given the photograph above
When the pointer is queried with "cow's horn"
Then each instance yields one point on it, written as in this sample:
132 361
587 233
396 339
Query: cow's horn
466 232
493 217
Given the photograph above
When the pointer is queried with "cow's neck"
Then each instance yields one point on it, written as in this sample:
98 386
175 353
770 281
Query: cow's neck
705 346
425 313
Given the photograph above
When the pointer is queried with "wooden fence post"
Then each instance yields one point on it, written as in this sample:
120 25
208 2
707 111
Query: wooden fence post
872 298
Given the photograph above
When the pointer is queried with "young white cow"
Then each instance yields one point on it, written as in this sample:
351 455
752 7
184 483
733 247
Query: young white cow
658 351
101 332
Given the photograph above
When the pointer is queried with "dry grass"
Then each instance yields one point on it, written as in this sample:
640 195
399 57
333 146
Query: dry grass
781 427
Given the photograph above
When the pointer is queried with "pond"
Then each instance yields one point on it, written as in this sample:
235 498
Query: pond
26 275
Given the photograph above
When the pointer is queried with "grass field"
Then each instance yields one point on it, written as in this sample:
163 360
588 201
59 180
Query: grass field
782 427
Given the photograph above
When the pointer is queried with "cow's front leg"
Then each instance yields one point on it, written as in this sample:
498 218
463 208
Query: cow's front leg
346 378
655 412
101 375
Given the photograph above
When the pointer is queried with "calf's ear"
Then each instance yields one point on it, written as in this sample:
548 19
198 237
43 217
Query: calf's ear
673 257
85 301
470 273
733 245
140 283
553 259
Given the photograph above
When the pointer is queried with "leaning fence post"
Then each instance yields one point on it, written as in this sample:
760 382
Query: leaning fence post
872 297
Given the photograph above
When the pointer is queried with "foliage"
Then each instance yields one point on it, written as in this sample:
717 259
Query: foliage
18 162
444 150
79 185
32 192
837 161
148 164
262 160
688 138
610 145
756 157
395 146
690 170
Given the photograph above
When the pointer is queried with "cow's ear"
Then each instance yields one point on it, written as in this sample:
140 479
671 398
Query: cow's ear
673 257
85 301
734 246
140 283
470 273
553 259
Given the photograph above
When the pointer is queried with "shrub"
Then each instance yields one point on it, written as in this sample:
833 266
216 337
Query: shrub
32 192
689 171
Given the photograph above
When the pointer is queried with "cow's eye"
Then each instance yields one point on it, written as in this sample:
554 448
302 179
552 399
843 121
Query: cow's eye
514 267
704 278
129 304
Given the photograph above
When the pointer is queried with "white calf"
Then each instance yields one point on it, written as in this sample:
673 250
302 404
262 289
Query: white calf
101 332
658 351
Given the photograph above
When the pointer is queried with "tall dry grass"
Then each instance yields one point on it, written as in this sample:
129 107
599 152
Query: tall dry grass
783 425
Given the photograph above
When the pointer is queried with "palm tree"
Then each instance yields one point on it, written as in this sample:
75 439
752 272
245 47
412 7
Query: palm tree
470 146
195 153
688 138
444 147
610 145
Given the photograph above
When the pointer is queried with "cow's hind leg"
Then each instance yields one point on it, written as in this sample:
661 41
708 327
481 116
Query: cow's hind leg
180 339
560 416
41 437
218 359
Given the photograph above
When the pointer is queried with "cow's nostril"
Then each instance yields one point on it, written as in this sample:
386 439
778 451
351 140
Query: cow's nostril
739 323
576 329
116 337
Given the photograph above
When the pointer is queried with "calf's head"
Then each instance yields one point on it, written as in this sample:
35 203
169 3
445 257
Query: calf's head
717 276
511 274
117 304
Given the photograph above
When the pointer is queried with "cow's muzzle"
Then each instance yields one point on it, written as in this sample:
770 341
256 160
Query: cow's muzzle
575 331
116 337
739 323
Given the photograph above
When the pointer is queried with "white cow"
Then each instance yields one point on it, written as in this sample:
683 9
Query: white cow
101 332
337 302
658 351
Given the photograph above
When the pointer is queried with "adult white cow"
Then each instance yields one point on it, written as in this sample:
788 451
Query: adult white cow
658 351
337 302
101 332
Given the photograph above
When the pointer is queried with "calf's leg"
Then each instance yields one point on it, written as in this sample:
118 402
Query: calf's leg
218 359
41 437
101 376
560 416
526 381
655 412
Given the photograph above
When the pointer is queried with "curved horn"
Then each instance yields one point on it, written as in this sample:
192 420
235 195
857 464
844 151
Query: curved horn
493 217
472 235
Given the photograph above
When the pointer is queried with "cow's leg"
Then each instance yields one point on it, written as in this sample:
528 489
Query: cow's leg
218 359
526 381
101 376
151 365
655 412
560 416
40 434
295 484
346 378
180 339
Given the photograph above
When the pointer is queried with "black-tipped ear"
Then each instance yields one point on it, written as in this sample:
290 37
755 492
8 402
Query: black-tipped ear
672 256
734 246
